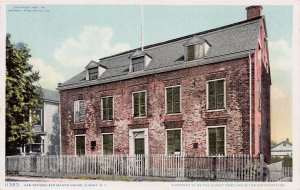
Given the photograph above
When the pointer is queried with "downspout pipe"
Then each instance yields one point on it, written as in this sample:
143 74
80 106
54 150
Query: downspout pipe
250 107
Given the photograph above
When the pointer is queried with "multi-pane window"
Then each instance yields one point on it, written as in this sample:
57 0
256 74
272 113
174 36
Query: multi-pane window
173 99
139 104
196 51
174 141
79 111
37 117
93 73
107 108
216 96
138 64
108 144
80 145
216 140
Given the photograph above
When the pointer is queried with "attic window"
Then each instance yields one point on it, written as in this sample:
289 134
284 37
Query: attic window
138 64
93 73
195 48
196 51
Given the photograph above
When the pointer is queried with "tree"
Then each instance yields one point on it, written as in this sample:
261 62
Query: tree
23 95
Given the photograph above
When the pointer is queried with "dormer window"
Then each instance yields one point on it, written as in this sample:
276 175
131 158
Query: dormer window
139 61
195 48
195 51
138 64
94 70
93 73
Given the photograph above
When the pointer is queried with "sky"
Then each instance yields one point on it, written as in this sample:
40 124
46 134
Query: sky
64 38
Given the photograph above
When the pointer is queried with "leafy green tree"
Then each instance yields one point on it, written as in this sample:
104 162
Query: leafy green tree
23 95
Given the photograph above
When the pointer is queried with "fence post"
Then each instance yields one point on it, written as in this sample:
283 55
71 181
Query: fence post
261 158
214 167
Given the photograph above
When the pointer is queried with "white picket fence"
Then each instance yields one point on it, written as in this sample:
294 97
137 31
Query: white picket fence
197 167
277 171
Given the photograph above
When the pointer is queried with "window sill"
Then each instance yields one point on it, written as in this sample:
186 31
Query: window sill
139 117
108 120
215 110
79 123
173 113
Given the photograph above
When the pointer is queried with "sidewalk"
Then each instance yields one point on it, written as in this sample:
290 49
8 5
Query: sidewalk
38 179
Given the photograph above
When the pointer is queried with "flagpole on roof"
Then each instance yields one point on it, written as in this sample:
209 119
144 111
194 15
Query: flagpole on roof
142 27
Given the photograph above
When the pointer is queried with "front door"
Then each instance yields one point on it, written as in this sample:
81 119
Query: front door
139 146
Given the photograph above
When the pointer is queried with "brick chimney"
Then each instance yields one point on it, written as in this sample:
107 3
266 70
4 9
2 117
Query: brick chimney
253 11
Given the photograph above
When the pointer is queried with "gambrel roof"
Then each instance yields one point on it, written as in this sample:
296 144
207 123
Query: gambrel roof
226 43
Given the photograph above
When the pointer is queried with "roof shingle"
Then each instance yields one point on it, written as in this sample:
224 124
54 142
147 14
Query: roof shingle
228 42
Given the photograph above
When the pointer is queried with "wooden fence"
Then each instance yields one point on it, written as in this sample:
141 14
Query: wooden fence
277 171
195 167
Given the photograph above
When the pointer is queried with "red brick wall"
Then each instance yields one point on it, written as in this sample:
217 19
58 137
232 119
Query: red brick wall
262 142
194 118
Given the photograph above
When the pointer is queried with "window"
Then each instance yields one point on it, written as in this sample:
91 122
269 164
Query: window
196 51
80 144
216 94
216 140
93 73
79 111
108 144
139 104
137 64
174 141
173 100
107 108
37 117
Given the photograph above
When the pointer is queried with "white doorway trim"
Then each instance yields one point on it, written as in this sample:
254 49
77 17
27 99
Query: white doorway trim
131 140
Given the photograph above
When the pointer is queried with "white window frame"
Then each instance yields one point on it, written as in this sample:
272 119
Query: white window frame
166 103
207 95
84 143
113 106
103 141
146 102
225 139
74 112
166 141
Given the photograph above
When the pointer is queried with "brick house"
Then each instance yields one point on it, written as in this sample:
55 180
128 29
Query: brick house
205 93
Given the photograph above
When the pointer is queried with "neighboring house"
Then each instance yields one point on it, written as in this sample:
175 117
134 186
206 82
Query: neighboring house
282 149
205 93
47 129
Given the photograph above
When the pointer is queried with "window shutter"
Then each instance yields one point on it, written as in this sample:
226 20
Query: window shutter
212 141
211 95
169 100
176 103
177 140
220 94
220 140
142 103
135 104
